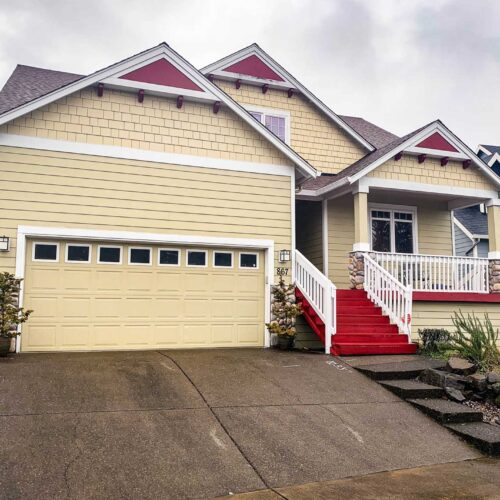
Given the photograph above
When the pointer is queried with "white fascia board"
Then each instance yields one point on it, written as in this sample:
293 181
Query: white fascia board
483 149
435 153
291 83
182 65
40 143
493 159
138 237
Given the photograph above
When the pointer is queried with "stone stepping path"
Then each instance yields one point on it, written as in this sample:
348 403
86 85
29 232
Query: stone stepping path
484 436
412 389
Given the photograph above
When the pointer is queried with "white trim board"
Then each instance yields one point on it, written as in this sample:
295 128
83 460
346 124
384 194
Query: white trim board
290 82
163 50
24 232
39 143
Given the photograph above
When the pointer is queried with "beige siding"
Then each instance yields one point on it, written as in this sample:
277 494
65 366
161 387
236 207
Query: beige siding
117 119
66 190
433 222
314 136
439 314
309 233
431 172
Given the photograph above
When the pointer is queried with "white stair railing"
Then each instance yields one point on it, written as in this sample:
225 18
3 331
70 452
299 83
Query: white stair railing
436 273
320 292
385 291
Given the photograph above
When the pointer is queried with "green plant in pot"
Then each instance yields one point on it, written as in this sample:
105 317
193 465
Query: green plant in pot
284 311
11 315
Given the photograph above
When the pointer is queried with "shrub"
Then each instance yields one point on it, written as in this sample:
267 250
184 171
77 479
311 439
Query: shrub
434 340
476 340
284 309
10 314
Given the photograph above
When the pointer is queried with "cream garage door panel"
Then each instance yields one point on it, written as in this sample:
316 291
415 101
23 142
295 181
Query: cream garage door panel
96 306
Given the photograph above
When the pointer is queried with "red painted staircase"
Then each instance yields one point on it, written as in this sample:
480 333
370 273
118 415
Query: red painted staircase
361 326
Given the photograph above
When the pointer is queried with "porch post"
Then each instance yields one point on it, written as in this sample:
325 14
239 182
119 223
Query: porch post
361 238
493 207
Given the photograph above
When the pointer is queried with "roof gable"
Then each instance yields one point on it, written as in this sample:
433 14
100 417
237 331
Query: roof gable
265 72
111 77
438 142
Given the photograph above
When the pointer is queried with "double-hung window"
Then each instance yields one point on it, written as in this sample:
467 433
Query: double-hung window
276 121
393 229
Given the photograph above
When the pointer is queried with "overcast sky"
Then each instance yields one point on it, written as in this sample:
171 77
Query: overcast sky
397 63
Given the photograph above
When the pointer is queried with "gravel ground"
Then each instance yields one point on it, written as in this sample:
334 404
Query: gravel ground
491 412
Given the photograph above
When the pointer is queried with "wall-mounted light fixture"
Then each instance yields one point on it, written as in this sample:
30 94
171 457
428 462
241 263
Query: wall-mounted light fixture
284 255
4 243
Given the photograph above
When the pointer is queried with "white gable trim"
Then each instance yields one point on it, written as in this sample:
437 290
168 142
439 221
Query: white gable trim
291 82
164 50
39 143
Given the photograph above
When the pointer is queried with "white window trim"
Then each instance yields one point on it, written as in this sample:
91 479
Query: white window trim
273 112
170 250
248 253
190 250
67 261
226 252
150 263
45 243
109 263
392 209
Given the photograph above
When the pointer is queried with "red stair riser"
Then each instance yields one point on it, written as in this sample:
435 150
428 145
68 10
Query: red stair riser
351 293
384 329
351 350
370 319
360 338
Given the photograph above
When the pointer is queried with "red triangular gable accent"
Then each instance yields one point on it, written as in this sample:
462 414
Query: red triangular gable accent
161 72
436 141
254 66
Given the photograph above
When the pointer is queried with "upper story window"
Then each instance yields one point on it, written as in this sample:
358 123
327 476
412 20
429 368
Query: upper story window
278 122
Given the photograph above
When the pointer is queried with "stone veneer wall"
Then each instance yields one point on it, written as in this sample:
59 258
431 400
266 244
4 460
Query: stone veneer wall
494 275
356 269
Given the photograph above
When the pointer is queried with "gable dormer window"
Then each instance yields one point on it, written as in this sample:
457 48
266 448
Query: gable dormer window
278 122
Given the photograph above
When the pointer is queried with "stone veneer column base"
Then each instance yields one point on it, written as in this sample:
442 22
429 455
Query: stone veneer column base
494 275
356 270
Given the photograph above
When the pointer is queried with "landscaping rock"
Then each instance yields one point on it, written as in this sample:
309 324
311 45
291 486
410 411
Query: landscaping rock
495 388
478 381
454 394
492 378
443 379
460 366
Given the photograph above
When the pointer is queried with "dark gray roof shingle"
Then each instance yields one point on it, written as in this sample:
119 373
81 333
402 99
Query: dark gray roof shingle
27 83
375 135
473 220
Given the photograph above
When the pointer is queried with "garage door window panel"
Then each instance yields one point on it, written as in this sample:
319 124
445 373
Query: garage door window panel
77 253
45 252
196 258
139 256
249 260
169 257
109 255
223 259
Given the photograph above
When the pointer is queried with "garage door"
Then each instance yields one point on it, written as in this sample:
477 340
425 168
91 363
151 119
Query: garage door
100 296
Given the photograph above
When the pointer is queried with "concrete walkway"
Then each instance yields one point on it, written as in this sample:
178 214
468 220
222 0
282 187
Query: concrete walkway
199 424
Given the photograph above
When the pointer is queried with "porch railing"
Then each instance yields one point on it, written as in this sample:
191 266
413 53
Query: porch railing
387 292
436 273
320 292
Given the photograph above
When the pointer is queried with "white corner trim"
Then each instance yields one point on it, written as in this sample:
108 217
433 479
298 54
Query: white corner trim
324 235
293 227
39 143
290 81
494 202
361 247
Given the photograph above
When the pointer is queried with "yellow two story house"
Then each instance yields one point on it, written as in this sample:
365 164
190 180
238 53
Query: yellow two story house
153 205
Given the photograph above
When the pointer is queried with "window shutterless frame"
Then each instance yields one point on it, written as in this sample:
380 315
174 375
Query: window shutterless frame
188 252
393 209
80 245
160 250
148 249
255 254
109 246
224 252
51 243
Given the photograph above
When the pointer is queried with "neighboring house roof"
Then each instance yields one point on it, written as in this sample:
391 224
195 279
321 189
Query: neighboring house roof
371 132
472 219
230 66
114 72
27 83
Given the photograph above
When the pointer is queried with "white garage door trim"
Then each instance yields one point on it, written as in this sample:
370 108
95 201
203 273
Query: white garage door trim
24 232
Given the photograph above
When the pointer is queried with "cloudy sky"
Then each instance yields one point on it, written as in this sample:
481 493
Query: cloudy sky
397 63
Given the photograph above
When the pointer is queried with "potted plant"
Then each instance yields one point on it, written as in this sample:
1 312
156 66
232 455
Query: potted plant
11 316
284 311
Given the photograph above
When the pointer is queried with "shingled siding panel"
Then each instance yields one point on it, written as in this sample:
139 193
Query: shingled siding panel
462 242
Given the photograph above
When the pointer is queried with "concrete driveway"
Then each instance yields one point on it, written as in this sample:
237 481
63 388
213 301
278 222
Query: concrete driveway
198 424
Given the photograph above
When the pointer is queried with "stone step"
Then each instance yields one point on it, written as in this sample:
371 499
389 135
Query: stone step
398 371
445 411
412 389
484 436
